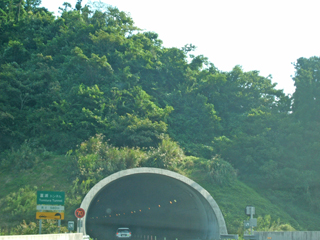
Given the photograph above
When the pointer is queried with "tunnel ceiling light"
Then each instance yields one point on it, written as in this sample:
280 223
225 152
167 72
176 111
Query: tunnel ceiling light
140 210
159 206
170 202
175 200
149 208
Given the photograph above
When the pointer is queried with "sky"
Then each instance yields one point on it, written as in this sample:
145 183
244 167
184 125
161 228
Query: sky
267 36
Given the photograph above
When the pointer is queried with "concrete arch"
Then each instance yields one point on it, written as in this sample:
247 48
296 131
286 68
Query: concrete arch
211 211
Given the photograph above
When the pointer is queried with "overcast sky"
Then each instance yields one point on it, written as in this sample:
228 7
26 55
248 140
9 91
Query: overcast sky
258 35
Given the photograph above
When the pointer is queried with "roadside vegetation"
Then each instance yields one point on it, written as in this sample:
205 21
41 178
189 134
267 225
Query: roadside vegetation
87 94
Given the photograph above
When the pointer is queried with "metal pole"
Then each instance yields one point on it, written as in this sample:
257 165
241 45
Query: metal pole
251 216
59 224
40 224
78 225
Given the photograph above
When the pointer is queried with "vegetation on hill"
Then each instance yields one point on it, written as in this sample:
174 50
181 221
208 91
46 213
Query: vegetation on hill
86 94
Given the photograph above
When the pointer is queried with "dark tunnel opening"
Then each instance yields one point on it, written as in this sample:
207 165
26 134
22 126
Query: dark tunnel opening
151 205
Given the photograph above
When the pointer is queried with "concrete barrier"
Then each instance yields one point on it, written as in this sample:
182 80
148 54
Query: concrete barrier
63 236
298 235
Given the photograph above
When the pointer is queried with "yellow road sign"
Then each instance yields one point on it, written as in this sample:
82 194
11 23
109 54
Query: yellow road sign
50 215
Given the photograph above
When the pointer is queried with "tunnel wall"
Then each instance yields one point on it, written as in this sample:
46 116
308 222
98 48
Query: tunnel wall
206 198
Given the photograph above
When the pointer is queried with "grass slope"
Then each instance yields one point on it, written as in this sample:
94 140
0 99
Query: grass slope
53 174
233 199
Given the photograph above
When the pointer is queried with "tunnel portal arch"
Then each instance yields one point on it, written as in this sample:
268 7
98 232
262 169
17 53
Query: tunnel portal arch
151 201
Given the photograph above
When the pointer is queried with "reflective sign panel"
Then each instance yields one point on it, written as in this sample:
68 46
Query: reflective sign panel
50 215
50 198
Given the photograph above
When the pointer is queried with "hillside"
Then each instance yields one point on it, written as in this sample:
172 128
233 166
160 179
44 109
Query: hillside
88 93
18 201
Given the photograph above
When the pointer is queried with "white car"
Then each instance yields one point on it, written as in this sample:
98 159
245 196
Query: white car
123 233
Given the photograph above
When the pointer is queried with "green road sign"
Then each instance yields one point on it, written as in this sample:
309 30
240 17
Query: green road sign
51 198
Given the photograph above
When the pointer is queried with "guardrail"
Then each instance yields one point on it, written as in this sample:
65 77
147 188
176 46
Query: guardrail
152 237
63 236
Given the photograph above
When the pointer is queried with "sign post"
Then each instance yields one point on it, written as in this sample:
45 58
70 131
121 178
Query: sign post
250 211
79 213
40 225
59 225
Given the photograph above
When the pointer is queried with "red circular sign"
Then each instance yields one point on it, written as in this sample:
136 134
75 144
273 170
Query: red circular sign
79 213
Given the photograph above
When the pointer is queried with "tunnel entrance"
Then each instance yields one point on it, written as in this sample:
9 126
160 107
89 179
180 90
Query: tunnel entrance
151 202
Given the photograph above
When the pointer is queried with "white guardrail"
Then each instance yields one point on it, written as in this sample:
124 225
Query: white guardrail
62 236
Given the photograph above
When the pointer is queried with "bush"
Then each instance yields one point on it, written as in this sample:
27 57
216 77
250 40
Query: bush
25 157
265 224
96 159
19 205
47 227
95 156
167 155
221 171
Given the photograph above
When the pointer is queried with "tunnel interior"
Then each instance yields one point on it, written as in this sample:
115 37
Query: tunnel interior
151 205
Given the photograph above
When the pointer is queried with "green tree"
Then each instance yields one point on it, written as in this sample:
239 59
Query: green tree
307 94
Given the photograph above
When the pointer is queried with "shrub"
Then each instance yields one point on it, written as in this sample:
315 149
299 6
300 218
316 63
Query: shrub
19 205
96 159
266 224
47 227
221 171
25 157
167 155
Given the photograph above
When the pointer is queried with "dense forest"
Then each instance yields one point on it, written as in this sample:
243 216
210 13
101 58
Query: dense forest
91 90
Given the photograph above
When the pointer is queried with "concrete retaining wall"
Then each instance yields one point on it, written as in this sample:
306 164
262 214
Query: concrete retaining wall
64 236
311 235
